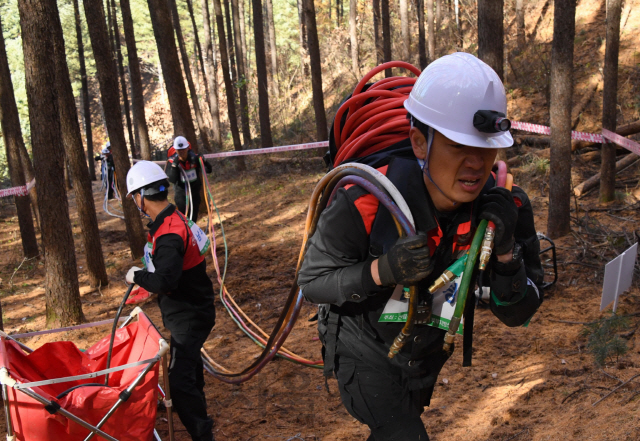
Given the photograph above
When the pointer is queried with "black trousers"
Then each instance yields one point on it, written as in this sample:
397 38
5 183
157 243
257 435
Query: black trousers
186 379
180 198
382 402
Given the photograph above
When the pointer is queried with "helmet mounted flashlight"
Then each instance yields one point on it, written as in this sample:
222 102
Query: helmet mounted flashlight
490 121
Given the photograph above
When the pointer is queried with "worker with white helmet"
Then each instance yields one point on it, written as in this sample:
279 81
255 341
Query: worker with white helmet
175 269
107 169
356 266
185 173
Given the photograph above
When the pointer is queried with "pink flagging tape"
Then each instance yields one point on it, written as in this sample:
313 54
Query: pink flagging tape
23 190
545 130
284 148
628 144
529 127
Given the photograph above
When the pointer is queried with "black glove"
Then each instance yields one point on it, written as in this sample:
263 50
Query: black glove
407 262
207 166
497 205
174 159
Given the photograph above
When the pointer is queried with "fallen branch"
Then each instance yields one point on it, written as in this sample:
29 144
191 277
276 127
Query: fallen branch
629 129
626 382
594 180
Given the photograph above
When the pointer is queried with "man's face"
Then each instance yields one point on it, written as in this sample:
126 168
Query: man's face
183 153
459 171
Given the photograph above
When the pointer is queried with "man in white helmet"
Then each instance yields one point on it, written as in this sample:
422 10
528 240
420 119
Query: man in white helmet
355 263
176 269
107 169
185 173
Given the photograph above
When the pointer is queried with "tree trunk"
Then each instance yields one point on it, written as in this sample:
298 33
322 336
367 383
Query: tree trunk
171 72
272 47
108 80
422 44
72 142
460 41
230 50
204 137
491 34
211 73
610 100
62 296
12 137
198 47
431 38
243 37
316 71
520 29
137 91
224 61
353 34
123 84
304 50
438 18
404 25
561 89
29 175
86 103
261 70
242 75
377 31
386 34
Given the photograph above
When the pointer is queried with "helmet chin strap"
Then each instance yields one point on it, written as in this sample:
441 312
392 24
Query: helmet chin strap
424 163
141 206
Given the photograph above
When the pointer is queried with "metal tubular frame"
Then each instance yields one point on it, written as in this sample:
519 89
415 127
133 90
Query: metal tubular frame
8 381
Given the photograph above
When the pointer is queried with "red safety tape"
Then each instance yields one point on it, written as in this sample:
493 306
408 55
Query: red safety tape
517 125
22 190
628 144
284 148
545 130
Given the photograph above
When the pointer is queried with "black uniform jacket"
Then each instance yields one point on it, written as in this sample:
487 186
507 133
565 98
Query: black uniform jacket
173 173
183 295
336 273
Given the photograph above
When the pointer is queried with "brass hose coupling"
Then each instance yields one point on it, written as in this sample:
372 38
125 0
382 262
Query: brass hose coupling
398 343
486 248
450 337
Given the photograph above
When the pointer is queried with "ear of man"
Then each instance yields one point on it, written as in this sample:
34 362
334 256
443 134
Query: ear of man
418 142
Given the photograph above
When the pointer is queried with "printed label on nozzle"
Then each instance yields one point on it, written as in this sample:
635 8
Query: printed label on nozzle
444 304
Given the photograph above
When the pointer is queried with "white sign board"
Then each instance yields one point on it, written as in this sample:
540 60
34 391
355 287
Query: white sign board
618 275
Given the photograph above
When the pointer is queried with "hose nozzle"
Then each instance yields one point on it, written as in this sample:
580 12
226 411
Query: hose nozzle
398 343
446 277
450 337
487 246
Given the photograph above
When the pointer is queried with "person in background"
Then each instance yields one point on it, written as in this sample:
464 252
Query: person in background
185 173
107 169
176 270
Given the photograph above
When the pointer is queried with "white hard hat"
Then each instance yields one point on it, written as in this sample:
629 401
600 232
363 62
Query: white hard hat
108 144
105 151
142 174
448 94
181 143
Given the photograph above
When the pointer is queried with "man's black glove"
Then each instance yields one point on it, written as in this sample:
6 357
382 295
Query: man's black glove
406 263
497 205
174 159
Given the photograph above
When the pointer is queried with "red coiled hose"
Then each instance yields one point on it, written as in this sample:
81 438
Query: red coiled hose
379 123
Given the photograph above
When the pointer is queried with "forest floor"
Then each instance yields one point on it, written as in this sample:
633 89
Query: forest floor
526 384
535 383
